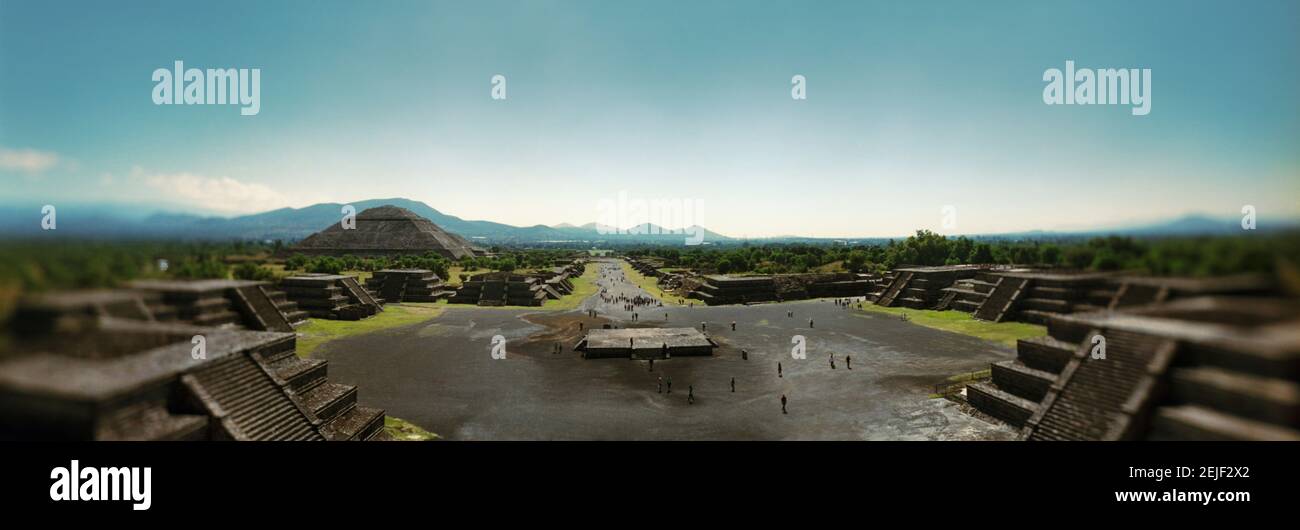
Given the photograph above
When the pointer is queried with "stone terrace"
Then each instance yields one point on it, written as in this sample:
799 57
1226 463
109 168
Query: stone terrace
644 343
1217 367
70 373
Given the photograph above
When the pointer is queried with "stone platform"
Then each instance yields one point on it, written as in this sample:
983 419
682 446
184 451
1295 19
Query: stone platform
645 343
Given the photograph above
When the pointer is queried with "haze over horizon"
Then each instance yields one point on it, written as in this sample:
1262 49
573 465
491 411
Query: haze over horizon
908 111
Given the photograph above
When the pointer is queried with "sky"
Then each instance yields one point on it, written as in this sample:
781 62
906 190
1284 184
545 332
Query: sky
918 114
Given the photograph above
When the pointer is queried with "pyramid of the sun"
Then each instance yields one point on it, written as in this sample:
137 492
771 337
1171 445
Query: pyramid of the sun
386 230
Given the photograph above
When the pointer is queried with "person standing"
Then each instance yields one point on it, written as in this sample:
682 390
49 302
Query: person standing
778 370
659 385
848 362
783 404
733 325
669 386
810 323
733 385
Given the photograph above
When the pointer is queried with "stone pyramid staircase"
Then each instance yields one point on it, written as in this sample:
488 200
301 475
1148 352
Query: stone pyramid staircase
1106 398
1018 386
895 288
1002 300
272 394
1171 372
411 285
259 310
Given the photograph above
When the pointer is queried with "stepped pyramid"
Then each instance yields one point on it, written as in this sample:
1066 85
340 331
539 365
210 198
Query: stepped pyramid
408 285
330 296
239 303
99 366
387 230
1202 368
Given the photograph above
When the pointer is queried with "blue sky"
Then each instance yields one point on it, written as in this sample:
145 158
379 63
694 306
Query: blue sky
912 106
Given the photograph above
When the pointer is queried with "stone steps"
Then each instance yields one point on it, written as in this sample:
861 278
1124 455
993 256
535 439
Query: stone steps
1045 304
1002 405
300 373
1045 353
1251 397
356 423
1099 398
1193 422
1002 300
1022 381
328 400
253 403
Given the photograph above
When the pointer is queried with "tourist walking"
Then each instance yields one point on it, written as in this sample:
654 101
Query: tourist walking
733 384
778 370
690 394
783 404
659 385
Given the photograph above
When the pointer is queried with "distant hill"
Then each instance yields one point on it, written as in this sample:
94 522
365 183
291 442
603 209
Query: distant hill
291 224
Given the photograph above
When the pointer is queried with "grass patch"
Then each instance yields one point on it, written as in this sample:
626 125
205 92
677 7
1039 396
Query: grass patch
583 287
405 431
361 276
966 324
651 285
319 331
954 384
454 272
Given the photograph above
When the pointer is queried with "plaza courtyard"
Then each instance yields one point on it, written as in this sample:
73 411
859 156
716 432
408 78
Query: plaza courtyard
440 374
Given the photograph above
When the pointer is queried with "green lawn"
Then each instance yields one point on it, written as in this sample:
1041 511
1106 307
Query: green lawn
319 331
583 287
651 285
405 431
960 322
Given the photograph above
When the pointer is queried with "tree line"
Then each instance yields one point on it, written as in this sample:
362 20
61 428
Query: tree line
1182 256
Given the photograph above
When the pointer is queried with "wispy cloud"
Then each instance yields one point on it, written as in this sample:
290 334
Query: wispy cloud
214 194
29 161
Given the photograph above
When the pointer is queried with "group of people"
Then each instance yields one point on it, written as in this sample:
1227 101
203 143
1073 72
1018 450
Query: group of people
664 384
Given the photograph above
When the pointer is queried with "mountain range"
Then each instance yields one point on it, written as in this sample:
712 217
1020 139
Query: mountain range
291 224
